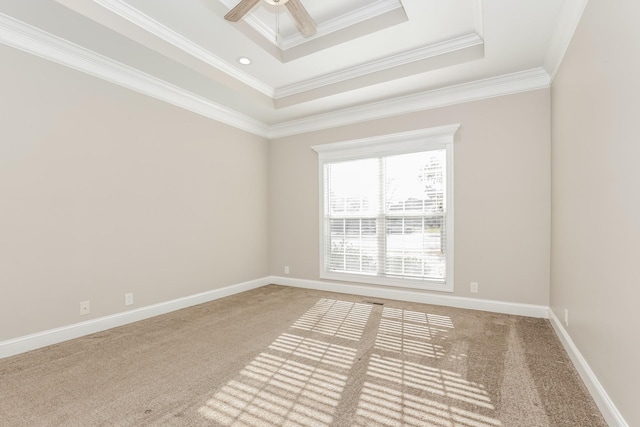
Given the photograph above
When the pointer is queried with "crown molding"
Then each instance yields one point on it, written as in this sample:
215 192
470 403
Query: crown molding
418 54
45 45
354 17
478 17
140 19
144 21
29 39
507 84
570 15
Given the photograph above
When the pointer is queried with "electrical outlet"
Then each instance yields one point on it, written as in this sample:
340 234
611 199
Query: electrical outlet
84 308
474 287
286 269
566 317
128 299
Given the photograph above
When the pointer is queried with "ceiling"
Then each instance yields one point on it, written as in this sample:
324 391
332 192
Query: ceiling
368 59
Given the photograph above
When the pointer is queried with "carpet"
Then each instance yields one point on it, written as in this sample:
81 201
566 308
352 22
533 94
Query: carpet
280 356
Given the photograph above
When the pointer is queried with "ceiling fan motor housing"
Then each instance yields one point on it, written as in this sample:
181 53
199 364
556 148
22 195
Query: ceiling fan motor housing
276 2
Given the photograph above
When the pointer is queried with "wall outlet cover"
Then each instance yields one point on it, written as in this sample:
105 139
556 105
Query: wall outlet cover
84 308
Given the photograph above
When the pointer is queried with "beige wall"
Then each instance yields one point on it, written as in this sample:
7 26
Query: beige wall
596 197
502 195
105 191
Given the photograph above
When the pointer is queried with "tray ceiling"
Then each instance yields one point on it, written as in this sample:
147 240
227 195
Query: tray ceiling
365 53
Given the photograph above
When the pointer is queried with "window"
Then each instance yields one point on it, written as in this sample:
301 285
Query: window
387 209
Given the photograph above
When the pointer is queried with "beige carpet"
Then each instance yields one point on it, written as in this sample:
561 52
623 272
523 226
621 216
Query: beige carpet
293 357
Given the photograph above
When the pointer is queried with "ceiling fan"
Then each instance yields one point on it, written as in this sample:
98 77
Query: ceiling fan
301 17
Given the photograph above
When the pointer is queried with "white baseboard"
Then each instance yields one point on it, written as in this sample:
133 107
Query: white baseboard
606 406
609 411
529 310
53 336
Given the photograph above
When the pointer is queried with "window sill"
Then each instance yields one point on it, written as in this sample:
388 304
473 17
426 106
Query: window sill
425 285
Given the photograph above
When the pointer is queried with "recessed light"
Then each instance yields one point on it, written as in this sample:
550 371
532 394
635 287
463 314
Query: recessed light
244 60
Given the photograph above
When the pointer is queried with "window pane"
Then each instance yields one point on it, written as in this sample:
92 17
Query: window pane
352 187
352 228
386 216
415 247
353 245
415 182
335 246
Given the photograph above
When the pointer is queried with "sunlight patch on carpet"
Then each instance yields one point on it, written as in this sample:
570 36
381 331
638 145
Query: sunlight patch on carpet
320 351
432 380
386 406
301 377
273 390
413 332
342 319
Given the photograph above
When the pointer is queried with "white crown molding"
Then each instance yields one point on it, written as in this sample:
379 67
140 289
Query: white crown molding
354 17
507 84
518 309
478 17
570 15
260 26
140 19
54 336
27 38
133 15
612 416
45 45
403 58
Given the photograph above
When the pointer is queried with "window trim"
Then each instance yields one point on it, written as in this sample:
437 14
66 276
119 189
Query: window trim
389 145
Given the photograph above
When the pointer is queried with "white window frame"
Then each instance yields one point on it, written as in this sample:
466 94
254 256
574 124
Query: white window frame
441 137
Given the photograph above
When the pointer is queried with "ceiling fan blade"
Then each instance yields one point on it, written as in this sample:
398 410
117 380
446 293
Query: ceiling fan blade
303 20
240 10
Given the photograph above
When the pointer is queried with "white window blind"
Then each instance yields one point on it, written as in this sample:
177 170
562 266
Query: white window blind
386 211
